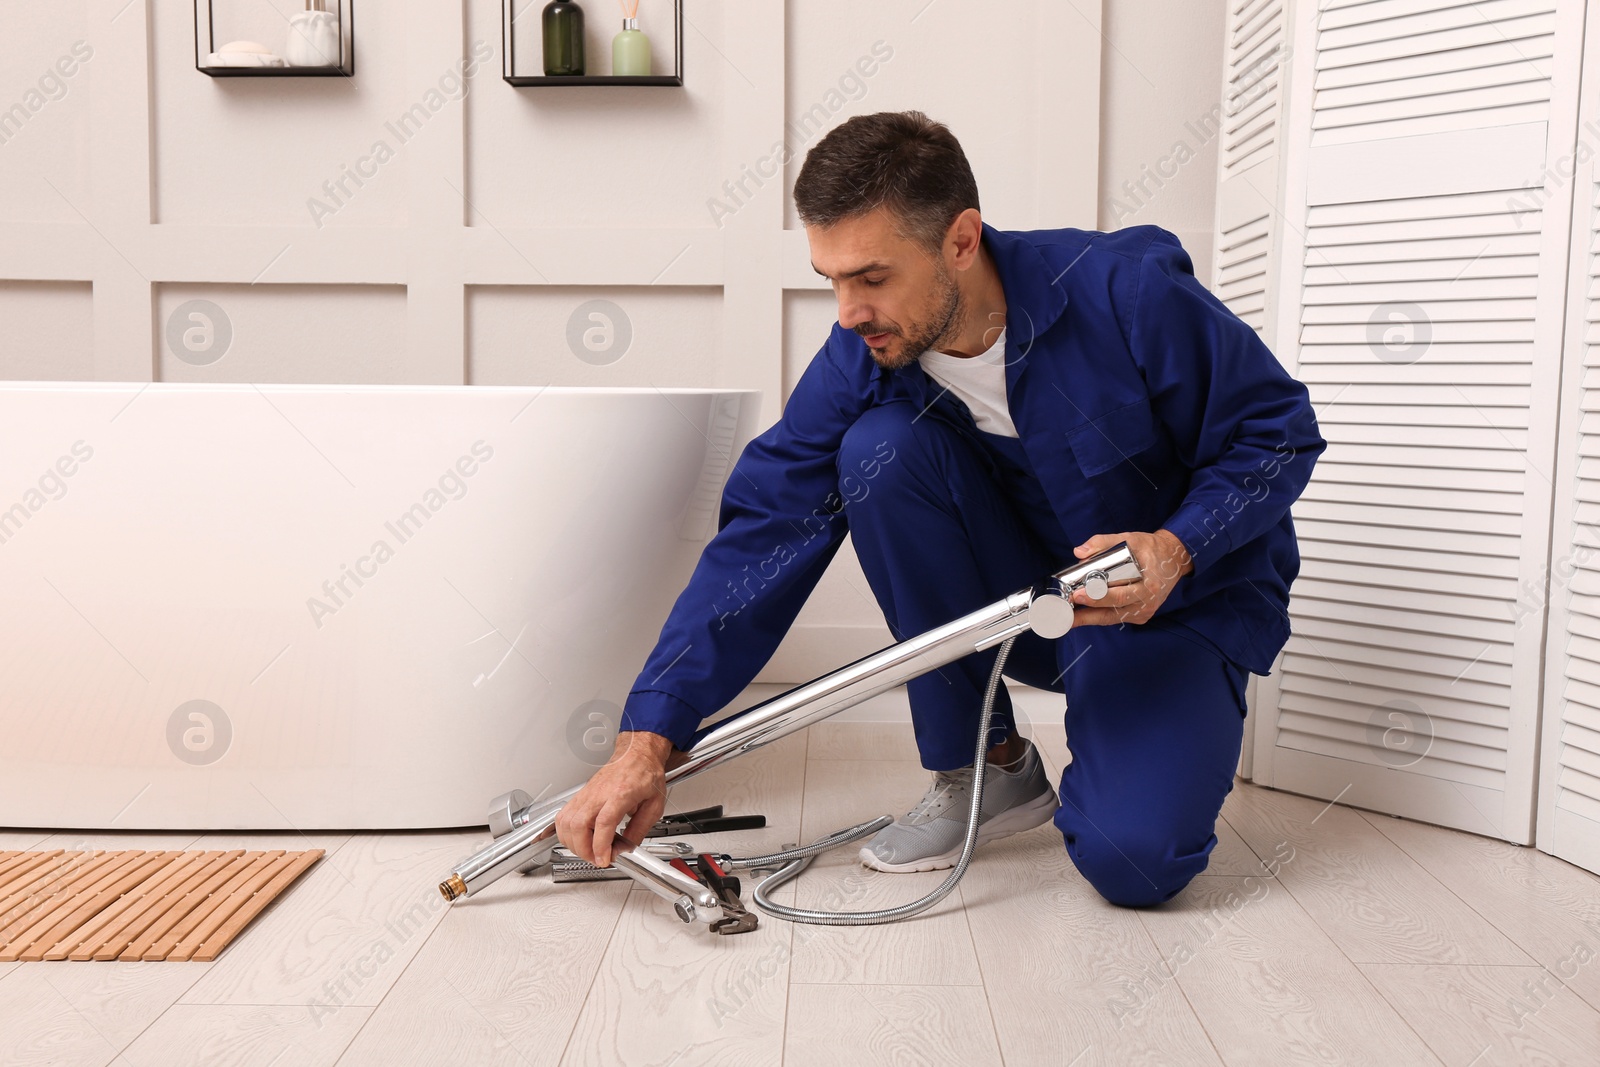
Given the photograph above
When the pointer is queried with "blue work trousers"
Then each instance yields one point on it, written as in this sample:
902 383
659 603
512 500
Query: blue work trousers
1154 714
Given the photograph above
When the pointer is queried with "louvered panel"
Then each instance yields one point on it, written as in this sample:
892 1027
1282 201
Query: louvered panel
1464 649
1307 667
1318 675
1471 575
1328 368
1444 330
1252 91
1470 745
1410 395
1448 658
1379 577
1381 616
1456 206
1242 263
1389 70
1442 364
1417 559
1577 756
1583 656
1429 227
1420 606
1463 554
1460 458
1444 761
1511 319
1367 475
1584 580
1583 752
1583 704
1445 106
1578 793
1583 618
1395 526
1403 71
1418 316
1418 290
1408 270
1343 14
1248 205
1483 438
1462 250
1421 415
1469 501
1448 27
1512 73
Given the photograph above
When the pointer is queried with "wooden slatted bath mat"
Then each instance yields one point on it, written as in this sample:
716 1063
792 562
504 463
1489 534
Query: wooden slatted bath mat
136 905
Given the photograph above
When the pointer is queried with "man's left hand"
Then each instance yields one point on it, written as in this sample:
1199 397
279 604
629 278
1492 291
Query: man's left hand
1162 559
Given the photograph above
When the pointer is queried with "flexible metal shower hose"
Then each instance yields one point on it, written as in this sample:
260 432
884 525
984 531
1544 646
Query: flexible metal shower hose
797 859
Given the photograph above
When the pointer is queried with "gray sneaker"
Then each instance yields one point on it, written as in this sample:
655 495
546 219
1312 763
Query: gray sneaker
928 838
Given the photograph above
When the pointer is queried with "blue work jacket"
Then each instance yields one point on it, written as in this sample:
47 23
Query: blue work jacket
1141 402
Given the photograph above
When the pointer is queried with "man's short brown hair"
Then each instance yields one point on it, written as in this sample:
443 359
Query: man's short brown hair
900 160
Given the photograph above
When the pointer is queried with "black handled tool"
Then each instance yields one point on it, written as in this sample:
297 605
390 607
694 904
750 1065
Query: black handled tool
704 821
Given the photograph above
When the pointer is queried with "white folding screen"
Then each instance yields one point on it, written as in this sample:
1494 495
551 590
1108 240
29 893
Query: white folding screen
1423 263
1569 776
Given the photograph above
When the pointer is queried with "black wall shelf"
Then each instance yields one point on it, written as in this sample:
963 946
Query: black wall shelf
344 9
508 55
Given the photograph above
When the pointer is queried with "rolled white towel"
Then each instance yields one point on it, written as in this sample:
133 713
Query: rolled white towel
245 54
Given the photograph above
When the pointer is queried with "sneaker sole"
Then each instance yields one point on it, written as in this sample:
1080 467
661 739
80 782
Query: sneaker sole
1035 812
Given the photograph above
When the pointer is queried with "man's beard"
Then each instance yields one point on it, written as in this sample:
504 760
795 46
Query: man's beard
948 321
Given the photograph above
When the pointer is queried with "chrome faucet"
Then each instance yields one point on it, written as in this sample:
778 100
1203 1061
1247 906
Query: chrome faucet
524 829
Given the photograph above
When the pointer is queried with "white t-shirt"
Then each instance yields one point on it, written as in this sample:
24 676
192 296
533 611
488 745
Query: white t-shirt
980 381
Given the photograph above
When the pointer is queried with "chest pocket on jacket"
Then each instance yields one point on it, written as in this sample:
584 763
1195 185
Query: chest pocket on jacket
1113 438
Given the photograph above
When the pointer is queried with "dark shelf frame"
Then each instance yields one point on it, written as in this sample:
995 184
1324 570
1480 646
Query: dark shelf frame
347 33
508 58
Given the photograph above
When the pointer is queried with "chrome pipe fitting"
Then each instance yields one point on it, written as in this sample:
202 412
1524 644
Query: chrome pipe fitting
693 901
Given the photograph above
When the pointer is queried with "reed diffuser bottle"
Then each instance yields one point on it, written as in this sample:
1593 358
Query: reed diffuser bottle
313 39
630 48
563 37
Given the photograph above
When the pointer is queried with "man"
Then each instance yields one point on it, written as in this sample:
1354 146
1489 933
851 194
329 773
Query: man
990 407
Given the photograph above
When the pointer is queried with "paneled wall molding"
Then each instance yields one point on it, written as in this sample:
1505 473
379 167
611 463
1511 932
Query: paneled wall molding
505 206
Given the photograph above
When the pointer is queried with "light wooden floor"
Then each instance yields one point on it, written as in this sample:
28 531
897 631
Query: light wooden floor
1360 939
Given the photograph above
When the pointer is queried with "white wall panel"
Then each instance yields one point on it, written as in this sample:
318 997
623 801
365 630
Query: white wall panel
48 333
46 76
282 151
334 334
1027 145
640 336
612 158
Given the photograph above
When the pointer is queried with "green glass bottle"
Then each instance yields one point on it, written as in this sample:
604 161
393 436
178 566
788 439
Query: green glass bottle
563 37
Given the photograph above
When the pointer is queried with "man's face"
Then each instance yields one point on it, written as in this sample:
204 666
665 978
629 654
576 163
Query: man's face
893 292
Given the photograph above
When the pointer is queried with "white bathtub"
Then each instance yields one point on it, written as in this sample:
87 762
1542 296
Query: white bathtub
224 606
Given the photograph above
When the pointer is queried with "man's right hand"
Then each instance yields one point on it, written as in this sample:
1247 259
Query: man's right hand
633 783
